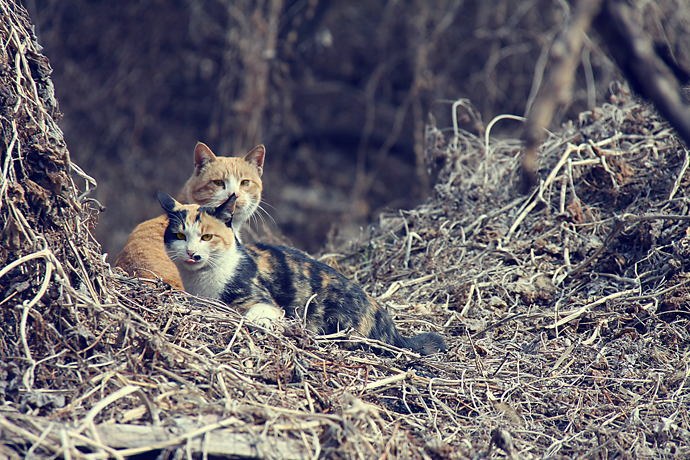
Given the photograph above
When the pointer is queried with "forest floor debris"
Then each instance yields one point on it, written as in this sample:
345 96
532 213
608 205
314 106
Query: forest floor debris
566 311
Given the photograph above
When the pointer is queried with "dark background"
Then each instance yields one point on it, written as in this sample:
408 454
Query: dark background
339 91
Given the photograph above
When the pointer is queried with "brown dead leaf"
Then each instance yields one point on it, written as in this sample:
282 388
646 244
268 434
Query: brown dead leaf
577 216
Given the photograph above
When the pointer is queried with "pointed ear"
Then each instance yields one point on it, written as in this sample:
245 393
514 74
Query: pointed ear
202 155
256 158
167 202
226 210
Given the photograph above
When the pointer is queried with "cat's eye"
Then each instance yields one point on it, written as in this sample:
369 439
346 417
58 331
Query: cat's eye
244 183
206 237
180 236
218 182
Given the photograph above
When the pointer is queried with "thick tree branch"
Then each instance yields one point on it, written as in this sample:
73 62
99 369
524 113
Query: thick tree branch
566 56
646 71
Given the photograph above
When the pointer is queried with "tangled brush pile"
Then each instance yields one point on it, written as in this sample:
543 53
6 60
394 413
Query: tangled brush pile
566 311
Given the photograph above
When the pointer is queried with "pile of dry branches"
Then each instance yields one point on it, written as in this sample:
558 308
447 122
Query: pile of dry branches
568 308
565 311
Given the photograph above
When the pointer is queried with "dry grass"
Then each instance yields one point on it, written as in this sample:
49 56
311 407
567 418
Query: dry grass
567 309
566 312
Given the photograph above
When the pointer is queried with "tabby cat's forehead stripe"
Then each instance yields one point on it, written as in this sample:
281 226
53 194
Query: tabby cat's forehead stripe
181 216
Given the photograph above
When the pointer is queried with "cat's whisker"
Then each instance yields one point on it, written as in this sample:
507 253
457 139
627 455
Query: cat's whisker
254 219
214 262
259 215
267 204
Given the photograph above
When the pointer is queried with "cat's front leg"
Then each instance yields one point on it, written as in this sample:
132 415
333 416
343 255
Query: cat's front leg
264 314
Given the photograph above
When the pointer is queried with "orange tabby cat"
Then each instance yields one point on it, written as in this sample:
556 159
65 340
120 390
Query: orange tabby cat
213 181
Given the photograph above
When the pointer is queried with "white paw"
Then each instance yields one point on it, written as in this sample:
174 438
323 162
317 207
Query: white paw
264 315
265 323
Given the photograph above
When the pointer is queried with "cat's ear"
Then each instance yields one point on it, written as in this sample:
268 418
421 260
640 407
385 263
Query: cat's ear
256 158
167 202
202 155
225 211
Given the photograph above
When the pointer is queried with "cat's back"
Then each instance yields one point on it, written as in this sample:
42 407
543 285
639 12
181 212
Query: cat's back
333 303
275 260
292 277
144 253
149 228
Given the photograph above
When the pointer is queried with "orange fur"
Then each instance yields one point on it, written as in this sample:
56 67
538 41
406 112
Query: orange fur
144 252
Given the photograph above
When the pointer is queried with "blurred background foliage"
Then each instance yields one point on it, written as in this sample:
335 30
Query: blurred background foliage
338 90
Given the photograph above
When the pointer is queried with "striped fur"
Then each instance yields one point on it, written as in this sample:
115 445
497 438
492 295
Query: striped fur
266 281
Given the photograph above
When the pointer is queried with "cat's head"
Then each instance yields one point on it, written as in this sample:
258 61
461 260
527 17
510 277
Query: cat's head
198 236
216 178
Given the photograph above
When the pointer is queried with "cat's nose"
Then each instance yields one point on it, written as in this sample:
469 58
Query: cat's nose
193 256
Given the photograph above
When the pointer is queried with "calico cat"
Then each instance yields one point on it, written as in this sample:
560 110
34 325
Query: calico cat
265 282
214 179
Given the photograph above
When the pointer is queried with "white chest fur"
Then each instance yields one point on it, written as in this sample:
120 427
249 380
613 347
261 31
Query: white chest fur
210 280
